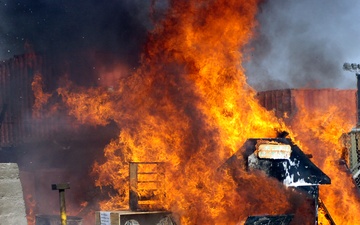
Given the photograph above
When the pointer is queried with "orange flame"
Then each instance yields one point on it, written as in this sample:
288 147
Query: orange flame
320 130
30 209
44 107
41 98
188 105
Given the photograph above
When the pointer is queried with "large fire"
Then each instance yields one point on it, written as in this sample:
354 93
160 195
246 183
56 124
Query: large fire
320 133
188 105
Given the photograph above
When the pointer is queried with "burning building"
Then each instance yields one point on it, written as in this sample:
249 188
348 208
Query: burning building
47 145
21 126
188 107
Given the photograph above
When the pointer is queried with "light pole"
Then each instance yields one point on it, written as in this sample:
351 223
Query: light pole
355 68
354 149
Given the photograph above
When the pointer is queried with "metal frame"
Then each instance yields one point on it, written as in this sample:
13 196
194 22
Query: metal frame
146 185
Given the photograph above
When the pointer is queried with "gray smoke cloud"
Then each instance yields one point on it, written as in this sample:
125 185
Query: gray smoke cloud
303 44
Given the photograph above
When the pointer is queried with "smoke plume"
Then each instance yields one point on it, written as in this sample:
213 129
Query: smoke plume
303 44
78 35
299 43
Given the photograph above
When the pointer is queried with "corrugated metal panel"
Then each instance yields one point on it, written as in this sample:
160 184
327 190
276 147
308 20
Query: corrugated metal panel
324 98
287 101
16 76
19 125
280 101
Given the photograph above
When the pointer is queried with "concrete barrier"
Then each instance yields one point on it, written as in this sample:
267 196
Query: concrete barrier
12 205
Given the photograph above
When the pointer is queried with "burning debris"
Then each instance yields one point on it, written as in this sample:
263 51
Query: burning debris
319 118
291 167
145 197
146 191
269 220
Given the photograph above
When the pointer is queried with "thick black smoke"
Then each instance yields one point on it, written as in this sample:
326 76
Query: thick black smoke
75 37
298 43
303 44
60 26
75 33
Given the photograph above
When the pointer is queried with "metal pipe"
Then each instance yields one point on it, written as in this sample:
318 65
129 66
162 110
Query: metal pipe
358 100
62 207
326 212
61 188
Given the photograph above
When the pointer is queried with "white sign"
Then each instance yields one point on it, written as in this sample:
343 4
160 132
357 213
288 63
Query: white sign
105 218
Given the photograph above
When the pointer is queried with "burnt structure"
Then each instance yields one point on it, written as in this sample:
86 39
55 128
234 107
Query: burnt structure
281 159
146 193
285 104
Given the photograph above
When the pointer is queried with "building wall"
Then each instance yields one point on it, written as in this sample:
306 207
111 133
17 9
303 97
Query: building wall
16 97
287 101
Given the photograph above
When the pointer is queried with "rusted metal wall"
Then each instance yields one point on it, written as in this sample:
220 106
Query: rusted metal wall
285 103
16 75
280 101
20 125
